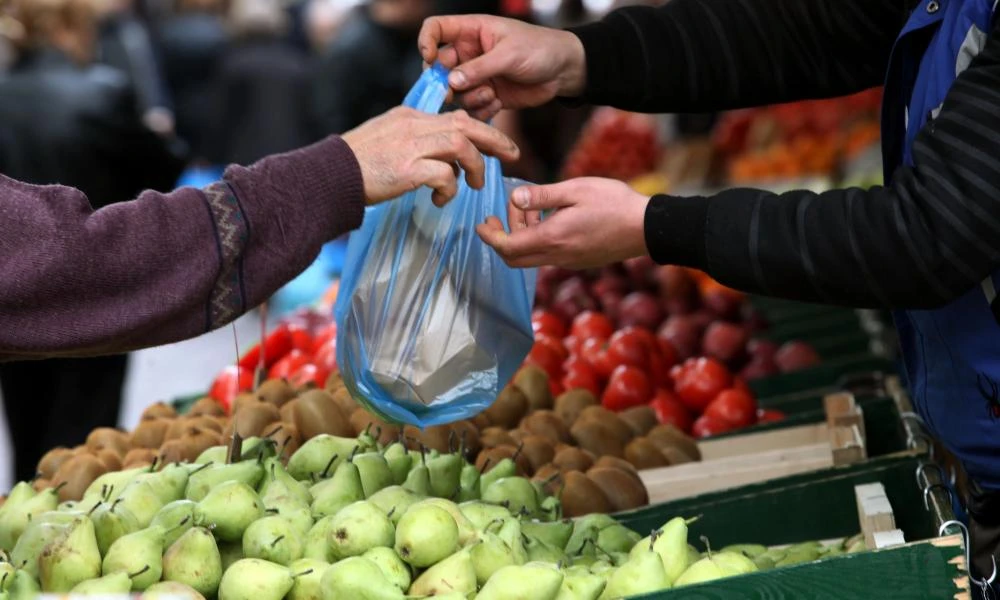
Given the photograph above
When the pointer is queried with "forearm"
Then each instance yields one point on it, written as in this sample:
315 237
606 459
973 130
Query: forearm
706 55
164 267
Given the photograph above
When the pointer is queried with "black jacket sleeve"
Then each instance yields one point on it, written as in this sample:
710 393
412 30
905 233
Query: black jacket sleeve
707 55
921 242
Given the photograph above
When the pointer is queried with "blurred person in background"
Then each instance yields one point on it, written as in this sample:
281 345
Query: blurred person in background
69 122
323 19
261 98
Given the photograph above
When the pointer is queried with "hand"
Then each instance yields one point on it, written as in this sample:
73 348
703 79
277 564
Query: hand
405 149
597 222
503 63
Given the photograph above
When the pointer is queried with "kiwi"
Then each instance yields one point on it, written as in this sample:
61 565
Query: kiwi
468 437
251 419
52 460
109 438
286 436
644 454
534 382
177 427
317 413
551 476
202 439
617 463
569 405
508 409
158 411
491 437
276 392
334 383
597 437
288 409
344 401
621 489
612 420
481 421
539 451
206 407
138 457
675 455
641 419
665 434
176 451
572 459
434 438
581 496
362 420
150 433
110 459
244 399
546 423
488 459
39 484
76 474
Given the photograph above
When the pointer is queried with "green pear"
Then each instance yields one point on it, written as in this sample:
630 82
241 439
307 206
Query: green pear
553 533
230 507
516 493
539 551
748 550
466 532
321 454
642 573
531 580
194 560
694 556
333 494
170 483
550 508
392 566
374 472
278 482
291 509
317 541
259 449
211 476
140 498
172 590
505 468
70 558
115 583
671 544
14 520
399 461
109 486
734 563
359 527
111 522
453 574
580 584
418 480
716 566
22 586
509 530
394 501
7 571
39 534
307 585
18 494
174 518
764 563
255 579
586 530
617 538
797 555
846 544
426 534
215 454
357 578
489 555
445 475
468 483
134 552
481 514
272 539
230 553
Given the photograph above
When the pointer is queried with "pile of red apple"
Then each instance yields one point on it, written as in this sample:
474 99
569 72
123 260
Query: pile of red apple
614 144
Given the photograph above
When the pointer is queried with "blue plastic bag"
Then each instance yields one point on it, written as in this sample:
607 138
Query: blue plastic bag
431 324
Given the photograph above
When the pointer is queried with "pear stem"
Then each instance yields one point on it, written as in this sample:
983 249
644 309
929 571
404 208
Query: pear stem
354 452
551 478
378 432
461 444
693 520
303 573
202 468
708 547
517 452
105 492
276 430
56 489
423 455
139 572
653 536
451 441
272 511
486 463
3 581
91 511
326 469
152 465
115 504
388 515
277 540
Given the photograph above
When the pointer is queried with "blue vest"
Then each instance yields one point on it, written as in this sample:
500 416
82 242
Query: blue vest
952 354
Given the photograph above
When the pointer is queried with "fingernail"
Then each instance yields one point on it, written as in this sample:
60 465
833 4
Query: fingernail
521 198
457 79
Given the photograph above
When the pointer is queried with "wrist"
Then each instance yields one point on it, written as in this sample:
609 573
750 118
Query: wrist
572 79
674 230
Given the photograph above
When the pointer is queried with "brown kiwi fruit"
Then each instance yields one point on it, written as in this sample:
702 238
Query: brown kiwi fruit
138 457
581 496
206 407
641 419
316 413
150 433
112 439
468 437
481 421
210 423
666 433
245 399
344 401
276 392
597 437
177 427
644 454
251 419
612 420
534 382
52 460
572 459
495 455
39 484
508 409
570 404
551 476
621 489
110 459
333 382
160 410
76 474
362 420
545 422
518 435
676 456
201 440
491 437
287 410
539 451
435 438
617 463
175 451
286 436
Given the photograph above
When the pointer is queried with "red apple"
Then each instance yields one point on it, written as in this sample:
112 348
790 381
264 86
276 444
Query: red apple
572 298
611 305
641 310
759 367
725 341
683 333
640 271
609 283
795 356
723 302
759 348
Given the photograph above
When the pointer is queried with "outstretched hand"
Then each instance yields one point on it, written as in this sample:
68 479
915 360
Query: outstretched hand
596 222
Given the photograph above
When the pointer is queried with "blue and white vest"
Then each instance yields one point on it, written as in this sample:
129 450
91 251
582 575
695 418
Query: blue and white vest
951 354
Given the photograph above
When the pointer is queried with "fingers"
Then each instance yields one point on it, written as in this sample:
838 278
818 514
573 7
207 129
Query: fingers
515 246
437 31
437 175
488 140
535 198
478 71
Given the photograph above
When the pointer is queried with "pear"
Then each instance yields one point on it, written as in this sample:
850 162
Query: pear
194 560
505 468
317 541
230 508
671 544
466 532
278 482
211 476
174 518
111 522
134 552
392 566
22 586
14 519
22 491
374 472
516 493
140 498
734 563
291 509
764 562
445 475
7 571
356 578
798 555
169 484
481 514
255 579
550 508
580 584
418 480
70 558
532 580
509 530
716 566
586 530
39 534
539 551
358 528
694 556
426 534
489 555
115 583
215 454
230 552
749 550
109 486
453 574
258 448
553 533
394 501
617 538
468 483
642 573
399 462
172 590
273 539
321 454
307 585
333 494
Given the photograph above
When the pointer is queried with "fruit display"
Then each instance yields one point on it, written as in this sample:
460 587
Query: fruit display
615 144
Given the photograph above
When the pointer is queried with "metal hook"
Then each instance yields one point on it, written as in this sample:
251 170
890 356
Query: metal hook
920 470
927 493
909 414
984 584
911 442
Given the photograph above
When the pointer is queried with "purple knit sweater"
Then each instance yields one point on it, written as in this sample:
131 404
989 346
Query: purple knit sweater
164 267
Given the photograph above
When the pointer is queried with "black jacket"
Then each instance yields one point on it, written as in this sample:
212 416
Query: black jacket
126 44
79 127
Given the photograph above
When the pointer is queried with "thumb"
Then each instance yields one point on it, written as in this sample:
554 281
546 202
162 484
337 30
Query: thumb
544 197
478 71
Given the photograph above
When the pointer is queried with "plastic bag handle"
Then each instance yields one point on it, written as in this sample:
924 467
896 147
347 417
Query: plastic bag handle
428 93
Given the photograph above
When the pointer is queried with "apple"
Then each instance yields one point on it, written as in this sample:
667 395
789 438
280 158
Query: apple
640 309
572 298
725 342
795 356
640 271
683 333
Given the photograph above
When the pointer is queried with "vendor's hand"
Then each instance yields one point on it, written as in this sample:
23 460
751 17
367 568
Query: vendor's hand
597 222
503 63
405 149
